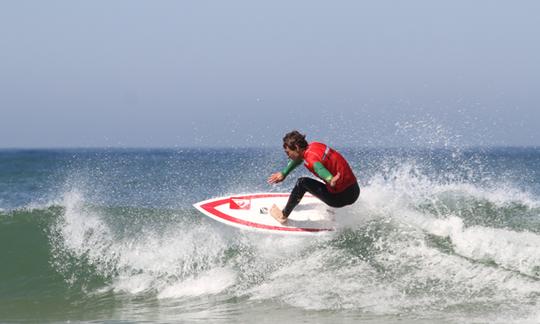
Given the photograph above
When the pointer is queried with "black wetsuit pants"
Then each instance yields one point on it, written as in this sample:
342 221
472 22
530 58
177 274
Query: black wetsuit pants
319 190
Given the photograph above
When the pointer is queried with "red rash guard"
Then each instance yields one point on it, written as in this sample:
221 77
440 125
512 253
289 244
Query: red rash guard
333 161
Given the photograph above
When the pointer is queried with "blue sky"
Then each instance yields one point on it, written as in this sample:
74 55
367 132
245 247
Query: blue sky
241 73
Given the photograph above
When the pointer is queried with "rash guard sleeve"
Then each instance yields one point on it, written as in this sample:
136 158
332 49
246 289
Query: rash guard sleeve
322 172
291 165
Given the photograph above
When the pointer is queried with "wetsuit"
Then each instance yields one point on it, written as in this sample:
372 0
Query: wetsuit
325 163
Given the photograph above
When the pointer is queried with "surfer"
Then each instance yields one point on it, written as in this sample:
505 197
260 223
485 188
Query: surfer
340 187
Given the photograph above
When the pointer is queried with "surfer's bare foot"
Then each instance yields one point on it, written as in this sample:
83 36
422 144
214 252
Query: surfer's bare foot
278 214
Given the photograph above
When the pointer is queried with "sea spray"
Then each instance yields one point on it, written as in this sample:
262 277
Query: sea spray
435 236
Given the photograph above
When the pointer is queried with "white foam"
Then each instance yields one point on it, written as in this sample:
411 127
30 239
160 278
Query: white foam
407 187
211 282
146 262
490 265
83 233
313 283
518 251
434 279
418 278
406 274
37 205
397 197
164 259
133 283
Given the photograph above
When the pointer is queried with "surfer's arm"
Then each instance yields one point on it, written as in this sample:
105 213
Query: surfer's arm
280 176
291 165
322 172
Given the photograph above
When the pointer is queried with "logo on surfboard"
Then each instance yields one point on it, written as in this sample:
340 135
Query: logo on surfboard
239 203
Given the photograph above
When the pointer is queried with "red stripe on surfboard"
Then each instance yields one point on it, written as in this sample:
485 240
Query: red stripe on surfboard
211 208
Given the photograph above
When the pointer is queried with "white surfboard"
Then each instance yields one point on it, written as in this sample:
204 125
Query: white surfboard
251 211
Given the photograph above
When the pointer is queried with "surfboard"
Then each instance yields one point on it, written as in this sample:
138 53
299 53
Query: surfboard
251 212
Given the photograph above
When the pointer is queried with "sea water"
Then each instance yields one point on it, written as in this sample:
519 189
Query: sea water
437 235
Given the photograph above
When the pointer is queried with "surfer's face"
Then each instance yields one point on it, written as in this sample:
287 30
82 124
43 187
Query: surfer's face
293 154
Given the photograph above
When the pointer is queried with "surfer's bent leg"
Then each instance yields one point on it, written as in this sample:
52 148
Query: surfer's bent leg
346 197
314 187
340 199
319 190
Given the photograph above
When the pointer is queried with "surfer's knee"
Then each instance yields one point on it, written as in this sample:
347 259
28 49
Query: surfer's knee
301 182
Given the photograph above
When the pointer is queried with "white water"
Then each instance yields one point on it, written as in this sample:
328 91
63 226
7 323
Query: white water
490 270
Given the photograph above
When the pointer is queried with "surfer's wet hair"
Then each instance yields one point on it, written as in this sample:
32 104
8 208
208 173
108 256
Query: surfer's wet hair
294 141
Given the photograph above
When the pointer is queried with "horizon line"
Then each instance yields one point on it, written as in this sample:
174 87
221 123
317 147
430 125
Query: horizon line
179 147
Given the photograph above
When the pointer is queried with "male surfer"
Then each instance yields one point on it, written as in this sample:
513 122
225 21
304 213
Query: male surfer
340 187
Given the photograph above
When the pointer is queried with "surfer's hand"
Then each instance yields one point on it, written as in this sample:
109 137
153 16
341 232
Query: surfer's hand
276 178
335 179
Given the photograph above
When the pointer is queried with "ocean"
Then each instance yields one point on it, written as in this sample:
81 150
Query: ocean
437 235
